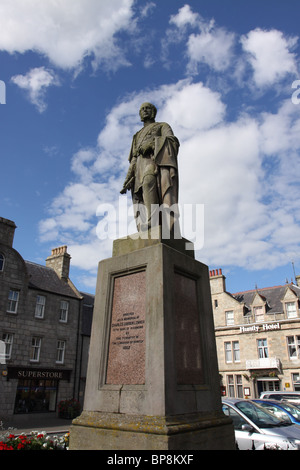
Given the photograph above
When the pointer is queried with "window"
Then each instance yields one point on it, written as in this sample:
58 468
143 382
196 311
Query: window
216 303
239 386
40 306
296 381
64 308
258 314
35 349
230 385
232 351
2 259
229 317
13 299
291 309
262 348
293 347
60 356
8 341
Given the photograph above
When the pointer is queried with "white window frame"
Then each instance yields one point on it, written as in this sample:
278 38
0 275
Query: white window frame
259 317
232 351
64 311
229 317
262 348
60 352
40 306
8 339
291 313
35 351
13 301
294 345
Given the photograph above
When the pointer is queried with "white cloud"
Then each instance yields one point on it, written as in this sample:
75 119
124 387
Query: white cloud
66 31
185 16
269 53
249 203
36 82
212 45
213 48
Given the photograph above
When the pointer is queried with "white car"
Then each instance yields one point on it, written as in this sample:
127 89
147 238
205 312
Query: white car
257 429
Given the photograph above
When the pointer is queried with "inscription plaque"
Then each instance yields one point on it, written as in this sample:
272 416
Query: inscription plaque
188 344
126 355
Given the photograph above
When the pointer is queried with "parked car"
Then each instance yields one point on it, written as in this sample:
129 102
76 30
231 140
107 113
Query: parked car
293 397
257 429
282 409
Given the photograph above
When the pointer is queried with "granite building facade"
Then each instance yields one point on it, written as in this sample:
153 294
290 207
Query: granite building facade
41 336
257 336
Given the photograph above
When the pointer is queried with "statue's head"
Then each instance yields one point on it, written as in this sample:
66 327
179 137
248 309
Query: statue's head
153 110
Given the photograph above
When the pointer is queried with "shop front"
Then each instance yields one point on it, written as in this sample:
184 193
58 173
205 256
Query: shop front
37 389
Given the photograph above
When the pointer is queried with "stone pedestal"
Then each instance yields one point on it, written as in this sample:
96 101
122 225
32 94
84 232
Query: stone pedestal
153 381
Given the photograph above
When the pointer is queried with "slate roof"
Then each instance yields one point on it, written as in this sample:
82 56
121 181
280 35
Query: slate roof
272 296
46 279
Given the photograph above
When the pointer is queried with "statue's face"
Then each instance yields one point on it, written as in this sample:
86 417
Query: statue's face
147 111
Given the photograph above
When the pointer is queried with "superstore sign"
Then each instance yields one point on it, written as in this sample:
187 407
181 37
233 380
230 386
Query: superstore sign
259 328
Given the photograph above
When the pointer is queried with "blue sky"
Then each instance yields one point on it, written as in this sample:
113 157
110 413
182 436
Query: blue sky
220 73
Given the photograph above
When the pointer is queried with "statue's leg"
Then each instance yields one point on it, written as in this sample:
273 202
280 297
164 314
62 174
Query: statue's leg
150 196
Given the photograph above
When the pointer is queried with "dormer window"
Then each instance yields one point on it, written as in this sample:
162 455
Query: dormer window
258 314
291 309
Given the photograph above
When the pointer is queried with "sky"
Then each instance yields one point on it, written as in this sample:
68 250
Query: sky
224 74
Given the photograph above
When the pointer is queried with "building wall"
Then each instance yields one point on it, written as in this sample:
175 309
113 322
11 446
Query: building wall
23 325
247 371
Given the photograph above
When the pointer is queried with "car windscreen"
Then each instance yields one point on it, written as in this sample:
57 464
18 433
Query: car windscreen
259 416
291 409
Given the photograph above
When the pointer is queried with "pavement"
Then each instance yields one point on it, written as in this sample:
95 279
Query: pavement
39 422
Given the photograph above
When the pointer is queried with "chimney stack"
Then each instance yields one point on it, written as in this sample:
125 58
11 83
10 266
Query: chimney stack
217 281
60 262
7 231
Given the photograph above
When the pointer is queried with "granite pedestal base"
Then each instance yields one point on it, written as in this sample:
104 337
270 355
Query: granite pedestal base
153 381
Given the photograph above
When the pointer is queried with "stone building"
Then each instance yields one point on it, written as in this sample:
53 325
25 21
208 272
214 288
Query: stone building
41 335
257 337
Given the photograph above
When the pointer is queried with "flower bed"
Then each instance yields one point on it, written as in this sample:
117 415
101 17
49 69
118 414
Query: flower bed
34 441
69 409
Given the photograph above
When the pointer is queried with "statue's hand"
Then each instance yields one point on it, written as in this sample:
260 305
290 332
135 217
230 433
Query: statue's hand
146 149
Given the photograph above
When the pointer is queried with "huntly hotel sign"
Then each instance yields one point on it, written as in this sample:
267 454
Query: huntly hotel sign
259 328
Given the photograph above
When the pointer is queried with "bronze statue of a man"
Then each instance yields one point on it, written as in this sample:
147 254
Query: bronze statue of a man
153 171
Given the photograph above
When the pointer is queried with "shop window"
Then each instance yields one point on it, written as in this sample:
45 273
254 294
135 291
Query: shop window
13 300
35 396
64 310
296 381
40 306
